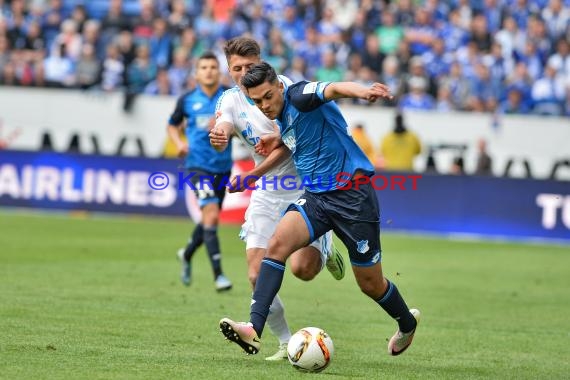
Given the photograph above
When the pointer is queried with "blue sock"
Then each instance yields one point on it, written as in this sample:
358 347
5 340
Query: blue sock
213 247
393 303
195 242
266 287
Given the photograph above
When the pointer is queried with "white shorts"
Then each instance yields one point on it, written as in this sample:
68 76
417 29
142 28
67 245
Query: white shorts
264 212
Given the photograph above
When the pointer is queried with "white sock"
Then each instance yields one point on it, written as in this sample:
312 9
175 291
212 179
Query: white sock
276 321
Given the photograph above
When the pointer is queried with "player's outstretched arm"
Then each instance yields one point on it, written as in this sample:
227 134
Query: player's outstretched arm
220 136
337 90
174 134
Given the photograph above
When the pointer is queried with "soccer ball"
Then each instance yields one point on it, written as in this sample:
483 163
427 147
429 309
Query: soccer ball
310 349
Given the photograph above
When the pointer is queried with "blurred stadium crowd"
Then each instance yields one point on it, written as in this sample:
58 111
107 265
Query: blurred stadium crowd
511 56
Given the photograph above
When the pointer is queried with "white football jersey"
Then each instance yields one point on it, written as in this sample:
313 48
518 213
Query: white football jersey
249 124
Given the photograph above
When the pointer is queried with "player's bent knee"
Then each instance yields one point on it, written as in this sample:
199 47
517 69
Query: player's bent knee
303 272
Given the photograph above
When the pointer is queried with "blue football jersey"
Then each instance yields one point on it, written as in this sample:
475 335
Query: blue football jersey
199 109
317 134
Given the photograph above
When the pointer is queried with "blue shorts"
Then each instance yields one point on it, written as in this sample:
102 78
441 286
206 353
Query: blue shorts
352 214
209 187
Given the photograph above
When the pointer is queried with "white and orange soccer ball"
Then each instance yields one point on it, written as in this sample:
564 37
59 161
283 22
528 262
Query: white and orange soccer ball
310 349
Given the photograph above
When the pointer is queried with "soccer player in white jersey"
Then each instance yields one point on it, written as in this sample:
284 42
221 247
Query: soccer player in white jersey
237 114
340 196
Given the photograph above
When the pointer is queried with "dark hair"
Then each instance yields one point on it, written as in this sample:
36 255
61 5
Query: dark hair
258 74
242 46
208 55
458 162
399 126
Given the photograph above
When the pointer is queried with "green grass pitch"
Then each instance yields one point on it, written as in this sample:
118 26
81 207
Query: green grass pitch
100 298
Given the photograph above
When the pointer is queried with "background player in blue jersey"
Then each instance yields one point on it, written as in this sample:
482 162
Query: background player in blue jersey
198 108
339 197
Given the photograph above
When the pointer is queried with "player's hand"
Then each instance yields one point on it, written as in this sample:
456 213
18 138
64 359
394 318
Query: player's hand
241 183
218 138
268 143
376 91
182 150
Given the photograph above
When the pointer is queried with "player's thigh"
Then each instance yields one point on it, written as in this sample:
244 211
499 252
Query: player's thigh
209 196
291 234
210 214
315 255
220 181
261 218
313 215
355 218
361 239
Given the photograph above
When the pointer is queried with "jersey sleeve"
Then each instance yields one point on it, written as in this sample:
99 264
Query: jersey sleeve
286 81
307 96
224 108
178 115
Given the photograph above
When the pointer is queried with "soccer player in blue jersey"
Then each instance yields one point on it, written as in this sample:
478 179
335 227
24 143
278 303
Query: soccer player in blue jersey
198 108
237 115
339 196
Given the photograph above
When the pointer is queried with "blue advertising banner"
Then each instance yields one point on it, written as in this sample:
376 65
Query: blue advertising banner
498 207
493 207
93 183
105 184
